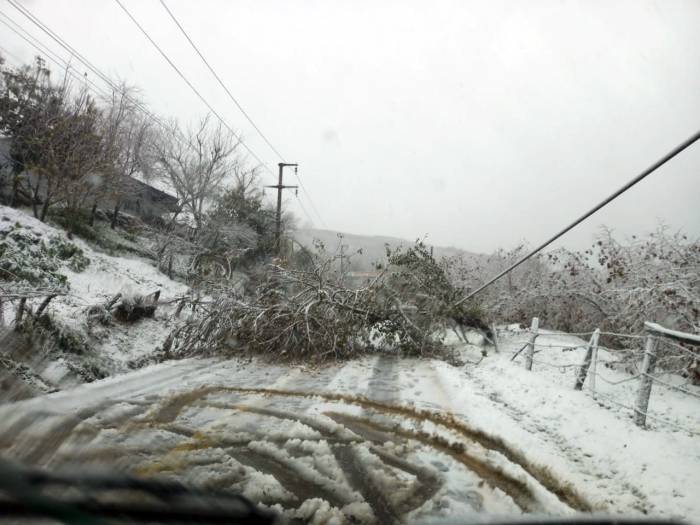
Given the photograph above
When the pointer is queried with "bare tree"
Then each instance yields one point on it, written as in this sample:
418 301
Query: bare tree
127 133
74 164
196 163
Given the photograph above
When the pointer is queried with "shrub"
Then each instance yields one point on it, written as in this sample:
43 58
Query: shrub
26 257
68 253
75 222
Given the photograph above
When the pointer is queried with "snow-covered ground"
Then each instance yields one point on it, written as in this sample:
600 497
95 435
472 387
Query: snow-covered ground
377 439
106 275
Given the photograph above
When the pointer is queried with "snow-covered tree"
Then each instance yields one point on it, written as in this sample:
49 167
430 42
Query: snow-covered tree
195 164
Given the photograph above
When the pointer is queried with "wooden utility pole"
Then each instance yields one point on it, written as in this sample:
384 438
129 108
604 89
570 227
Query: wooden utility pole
278 226
342 256
342 259
342 247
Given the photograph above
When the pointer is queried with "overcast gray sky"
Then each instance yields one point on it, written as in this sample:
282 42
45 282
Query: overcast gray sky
478 123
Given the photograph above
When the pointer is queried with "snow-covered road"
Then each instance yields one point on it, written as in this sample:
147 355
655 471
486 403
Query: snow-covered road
377 439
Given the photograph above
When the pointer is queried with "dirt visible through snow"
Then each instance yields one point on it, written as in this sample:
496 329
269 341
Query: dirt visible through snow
374 440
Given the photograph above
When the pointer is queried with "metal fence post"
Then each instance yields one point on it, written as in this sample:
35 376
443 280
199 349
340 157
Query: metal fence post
583 371
644 392
531 344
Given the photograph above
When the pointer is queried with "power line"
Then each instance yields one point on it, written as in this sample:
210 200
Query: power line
60 62
211 69
689 142
7 52
57 38
55 58
70 49
191 86
303 208
311 202
301 205
102 76
238 105
31 39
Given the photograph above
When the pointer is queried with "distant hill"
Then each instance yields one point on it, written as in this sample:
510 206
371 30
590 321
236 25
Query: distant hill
373 246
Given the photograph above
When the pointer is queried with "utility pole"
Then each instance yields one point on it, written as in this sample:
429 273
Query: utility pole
280 187
342 256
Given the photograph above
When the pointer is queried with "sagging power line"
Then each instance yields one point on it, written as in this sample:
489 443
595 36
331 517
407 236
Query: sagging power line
59 40
683 146
54 57
90 66
218 79
191 86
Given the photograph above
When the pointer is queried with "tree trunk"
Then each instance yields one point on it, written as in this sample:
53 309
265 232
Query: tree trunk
43 305
115 214
35 203
44 209
15 189
36 200
93 213
20 312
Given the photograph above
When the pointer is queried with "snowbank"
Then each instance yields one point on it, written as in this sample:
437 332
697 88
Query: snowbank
115 345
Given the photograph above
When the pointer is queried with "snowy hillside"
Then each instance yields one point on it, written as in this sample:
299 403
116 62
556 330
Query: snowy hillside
113 345
376 439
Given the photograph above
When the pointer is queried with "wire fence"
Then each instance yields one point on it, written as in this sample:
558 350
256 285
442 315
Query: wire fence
624 378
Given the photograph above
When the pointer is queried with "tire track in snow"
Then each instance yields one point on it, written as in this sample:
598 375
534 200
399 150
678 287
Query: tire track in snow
493 476
29 440
367 428
385 432
29 446
382 386
302 489
188 414
563 492
346 456
355 469
562 445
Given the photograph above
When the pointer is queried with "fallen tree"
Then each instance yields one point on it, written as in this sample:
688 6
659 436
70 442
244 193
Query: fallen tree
308 314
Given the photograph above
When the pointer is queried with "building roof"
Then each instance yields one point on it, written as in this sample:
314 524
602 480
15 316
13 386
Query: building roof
156 194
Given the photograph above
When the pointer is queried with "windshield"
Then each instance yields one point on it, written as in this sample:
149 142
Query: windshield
349 262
